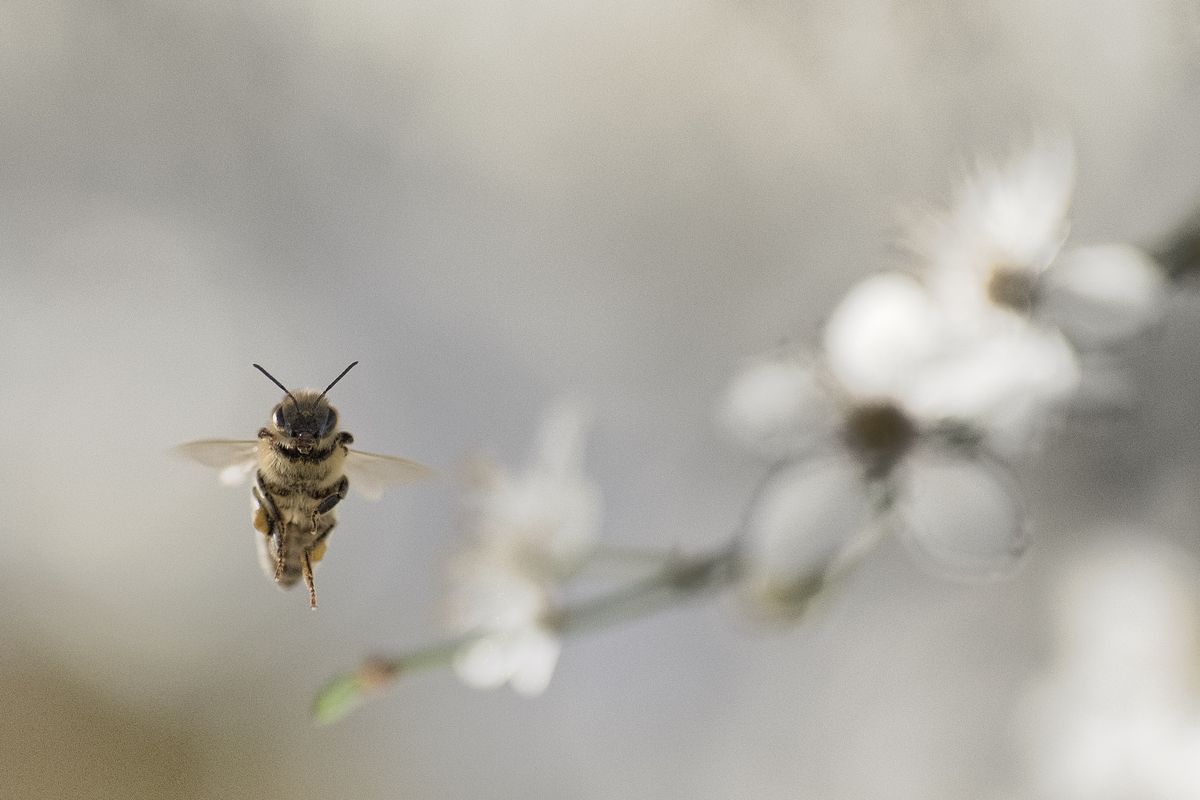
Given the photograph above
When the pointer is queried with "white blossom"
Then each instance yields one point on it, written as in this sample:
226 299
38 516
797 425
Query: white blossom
528 531
1118 714
891 338
880 427
997 263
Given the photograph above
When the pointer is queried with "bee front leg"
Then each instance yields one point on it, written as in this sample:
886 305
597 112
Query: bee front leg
332 499
274 530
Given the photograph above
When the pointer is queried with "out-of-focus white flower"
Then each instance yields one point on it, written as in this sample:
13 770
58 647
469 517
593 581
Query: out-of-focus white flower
890 338
528 532
879 425
996 260
1118 716
921 384
1103 294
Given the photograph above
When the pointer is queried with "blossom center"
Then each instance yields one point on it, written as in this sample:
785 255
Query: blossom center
879 434
1012 287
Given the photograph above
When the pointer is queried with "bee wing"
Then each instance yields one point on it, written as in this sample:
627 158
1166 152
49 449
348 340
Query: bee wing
370 473
236 459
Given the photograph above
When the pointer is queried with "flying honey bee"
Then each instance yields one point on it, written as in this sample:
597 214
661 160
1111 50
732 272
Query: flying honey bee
301 465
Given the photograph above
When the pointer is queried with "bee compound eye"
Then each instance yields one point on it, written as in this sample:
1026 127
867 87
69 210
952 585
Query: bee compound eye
277 418
330 422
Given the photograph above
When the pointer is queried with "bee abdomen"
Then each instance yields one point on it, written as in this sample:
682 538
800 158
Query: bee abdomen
296 540
289 577
268 558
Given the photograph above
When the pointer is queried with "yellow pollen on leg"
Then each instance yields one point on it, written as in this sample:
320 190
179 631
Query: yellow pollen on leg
318 552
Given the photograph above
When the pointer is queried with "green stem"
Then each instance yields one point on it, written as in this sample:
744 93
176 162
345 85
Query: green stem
616 564
347 691
678 579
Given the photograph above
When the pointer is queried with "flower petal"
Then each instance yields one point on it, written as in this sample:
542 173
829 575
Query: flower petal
483 663
1007 220
960 515
549 513
1128 609
885 327
804 518
536 657
553 519
524 657
1103 294
779 407
1009 383
491 591
1020 209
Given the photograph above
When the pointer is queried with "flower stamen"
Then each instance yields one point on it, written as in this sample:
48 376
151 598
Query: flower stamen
879 434
1012 287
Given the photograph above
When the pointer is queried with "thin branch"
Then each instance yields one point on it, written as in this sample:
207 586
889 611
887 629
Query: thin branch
347 691
1179 251
679 579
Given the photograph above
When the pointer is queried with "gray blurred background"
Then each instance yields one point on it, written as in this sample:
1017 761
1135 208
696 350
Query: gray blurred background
490 204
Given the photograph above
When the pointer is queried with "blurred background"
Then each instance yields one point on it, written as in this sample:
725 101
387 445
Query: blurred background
491 204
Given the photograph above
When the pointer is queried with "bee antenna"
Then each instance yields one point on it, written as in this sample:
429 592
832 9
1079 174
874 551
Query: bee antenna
280 385
335 380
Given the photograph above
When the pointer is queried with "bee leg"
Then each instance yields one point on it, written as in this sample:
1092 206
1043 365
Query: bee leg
274 532
306 568
311 555
332 499
264 497
278 540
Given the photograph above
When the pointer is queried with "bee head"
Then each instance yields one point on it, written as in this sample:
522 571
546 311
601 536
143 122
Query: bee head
305 416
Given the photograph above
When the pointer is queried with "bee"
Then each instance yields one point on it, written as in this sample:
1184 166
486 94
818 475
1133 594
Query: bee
301 465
